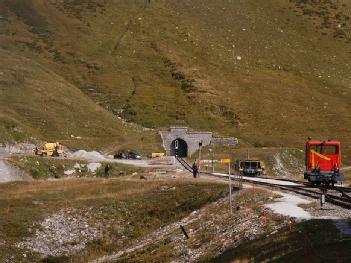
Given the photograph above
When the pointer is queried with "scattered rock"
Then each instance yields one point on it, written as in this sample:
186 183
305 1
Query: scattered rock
167 188
69 172
92 167
64 233
77 166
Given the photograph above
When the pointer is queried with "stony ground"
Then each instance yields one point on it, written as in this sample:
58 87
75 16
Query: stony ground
82 219
328 210
8 172
211 230
64 233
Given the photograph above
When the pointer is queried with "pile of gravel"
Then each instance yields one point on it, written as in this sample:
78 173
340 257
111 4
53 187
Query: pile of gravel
92 156
64 233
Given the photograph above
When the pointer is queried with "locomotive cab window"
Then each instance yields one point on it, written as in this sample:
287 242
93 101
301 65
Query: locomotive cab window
330 149
325 149
316 147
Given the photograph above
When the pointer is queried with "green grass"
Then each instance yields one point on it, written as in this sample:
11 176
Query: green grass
127 209
45 168
292 159
176 63
347 176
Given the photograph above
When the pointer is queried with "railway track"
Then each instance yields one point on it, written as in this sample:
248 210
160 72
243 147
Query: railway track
184 164
300 188
339 188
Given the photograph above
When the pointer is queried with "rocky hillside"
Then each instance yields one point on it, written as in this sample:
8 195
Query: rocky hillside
269 72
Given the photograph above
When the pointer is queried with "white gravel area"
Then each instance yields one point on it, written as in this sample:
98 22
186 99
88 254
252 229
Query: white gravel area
287 205
91 156
63 233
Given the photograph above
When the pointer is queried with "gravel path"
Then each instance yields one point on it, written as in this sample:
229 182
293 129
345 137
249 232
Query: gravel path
98 157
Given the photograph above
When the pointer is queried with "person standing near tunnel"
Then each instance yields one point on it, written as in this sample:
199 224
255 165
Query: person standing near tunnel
195 169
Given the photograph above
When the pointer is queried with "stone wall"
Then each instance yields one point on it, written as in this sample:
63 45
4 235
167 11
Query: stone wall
225 141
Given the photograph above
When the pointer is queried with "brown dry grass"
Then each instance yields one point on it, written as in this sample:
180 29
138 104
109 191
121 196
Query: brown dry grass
135 207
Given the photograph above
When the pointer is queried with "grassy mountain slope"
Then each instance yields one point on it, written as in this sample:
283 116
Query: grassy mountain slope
44 103
269 72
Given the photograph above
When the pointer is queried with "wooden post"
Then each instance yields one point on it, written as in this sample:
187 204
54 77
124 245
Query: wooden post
213 168
184 232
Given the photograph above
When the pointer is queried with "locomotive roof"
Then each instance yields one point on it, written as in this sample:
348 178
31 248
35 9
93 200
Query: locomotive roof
324 142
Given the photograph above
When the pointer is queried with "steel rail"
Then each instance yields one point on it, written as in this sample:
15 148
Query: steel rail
343 201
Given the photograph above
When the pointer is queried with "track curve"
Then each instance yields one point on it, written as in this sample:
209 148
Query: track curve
298 187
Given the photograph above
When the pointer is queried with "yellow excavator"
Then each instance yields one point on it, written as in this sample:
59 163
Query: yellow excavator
53 149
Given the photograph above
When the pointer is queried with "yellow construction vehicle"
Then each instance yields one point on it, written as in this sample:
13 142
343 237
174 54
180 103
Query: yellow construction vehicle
54 149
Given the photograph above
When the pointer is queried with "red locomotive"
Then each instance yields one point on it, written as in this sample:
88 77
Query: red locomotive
323 160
